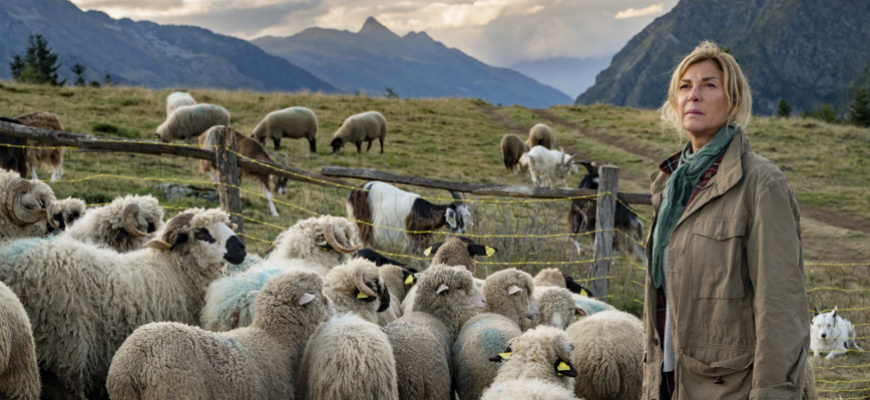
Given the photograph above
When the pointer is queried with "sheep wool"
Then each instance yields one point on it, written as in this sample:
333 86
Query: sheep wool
540 135
190 121
358 288
84 300
65 212
538 367
363 127
512 148
19 372
168 360
178 99
293 123
124 225
557 306
25 207
608 356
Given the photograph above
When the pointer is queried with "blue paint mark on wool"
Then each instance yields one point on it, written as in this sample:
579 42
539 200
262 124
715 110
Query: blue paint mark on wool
13 249
491 341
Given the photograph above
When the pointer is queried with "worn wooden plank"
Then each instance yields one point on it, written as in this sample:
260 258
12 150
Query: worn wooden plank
604 222
228 177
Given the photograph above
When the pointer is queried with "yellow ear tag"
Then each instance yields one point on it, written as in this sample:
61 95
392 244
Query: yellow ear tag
563 367
489 251
427 251
362 295
505 356
409 280
584 293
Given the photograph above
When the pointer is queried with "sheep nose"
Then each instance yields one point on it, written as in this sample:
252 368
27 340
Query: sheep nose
824 335
235 250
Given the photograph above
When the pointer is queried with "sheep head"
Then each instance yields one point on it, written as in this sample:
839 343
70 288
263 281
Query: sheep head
458 216
543 351
27 202
458 251
358 286
206 232
66 211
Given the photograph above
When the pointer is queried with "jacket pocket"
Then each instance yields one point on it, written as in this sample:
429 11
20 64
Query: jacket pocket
727 379
717 257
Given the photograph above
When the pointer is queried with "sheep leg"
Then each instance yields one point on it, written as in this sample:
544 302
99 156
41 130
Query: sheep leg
312 145
33 173
359 147
268 194
370 146
277 143
381 140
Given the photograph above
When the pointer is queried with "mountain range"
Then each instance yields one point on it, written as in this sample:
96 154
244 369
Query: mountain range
806 52
413 65
571 75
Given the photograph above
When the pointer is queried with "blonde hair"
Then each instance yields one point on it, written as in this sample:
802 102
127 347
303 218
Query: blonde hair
734 83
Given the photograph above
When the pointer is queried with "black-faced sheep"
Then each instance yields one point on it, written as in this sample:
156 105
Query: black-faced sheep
172 360
509 308
423 339
51 157
387 215
248 148
582 218
13 156
538 366
26 207
541 135
65 212
314 244
359 128
178 99
19 371
458 250
191 121
124 225
512 148
550 164
84 300
293 123
349 356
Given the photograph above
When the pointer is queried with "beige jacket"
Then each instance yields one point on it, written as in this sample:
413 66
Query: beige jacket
736 287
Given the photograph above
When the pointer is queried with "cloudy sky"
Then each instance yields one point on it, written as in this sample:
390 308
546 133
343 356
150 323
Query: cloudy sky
498 32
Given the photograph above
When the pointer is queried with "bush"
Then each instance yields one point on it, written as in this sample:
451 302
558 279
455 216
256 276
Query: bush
783 109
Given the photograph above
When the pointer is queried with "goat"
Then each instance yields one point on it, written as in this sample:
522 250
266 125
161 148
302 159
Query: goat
249 148
582 215
387 215
541 162
48 156
12 153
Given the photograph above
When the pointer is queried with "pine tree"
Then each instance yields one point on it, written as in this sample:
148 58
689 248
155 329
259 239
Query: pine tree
17 67
39 65
859 110
826 114
784 109
79 70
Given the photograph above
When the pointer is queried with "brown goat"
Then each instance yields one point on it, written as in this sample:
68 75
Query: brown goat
50 157
249 148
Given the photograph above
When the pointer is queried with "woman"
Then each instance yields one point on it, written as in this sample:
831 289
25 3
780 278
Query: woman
726 306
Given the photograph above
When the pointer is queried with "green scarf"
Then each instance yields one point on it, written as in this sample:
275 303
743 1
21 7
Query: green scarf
678 191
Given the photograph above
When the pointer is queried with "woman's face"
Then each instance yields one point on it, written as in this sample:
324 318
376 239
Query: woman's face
701 100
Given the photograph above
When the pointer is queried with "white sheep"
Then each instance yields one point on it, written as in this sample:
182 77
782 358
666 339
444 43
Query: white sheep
19 371
608 356
541 135
359 128
584 303
52 156
423 339
26 207
84 300
65 212
557 305
172 360
509 307
512 148
124 225
176 100
349 356
190 121
538 366
550 164
293 123
314 244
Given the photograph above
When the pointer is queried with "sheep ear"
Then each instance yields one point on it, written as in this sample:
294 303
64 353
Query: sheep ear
816 311
178 239
432 249
158 244
502 356
579 312
481 250
305 299
254 293
835 312
442 288
513 289
410 279
564 368
451 217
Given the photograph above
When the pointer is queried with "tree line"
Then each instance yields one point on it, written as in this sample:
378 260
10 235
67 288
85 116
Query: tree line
39 65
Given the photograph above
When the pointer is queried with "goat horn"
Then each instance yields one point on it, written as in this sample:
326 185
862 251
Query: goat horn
358 279
15 192
459 197
329 234
129 222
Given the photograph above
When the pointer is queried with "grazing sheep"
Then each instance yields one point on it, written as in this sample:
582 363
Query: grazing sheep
248 148
13 155
191 121
171 360
19 372
551 164
176 100
423 339
313 244
582 217
389 216
26 207
540 135
293 123
512 148
84 300
509 305
538 367
51 157
608 356
65 212
123 225
352 347
558 308
363 127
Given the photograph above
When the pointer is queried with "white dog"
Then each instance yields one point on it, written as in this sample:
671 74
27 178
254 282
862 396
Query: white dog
831 333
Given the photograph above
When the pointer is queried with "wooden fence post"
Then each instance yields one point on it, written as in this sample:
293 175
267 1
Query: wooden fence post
605 211
228 177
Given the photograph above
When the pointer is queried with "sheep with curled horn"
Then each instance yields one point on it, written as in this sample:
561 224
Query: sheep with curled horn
27 207
124 225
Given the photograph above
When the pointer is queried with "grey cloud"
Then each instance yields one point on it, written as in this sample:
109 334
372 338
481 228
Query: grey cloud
242 22
130 4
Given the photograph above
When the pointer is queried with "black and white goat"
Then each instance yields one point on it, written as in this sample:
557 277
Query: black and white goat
582 215
387 215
